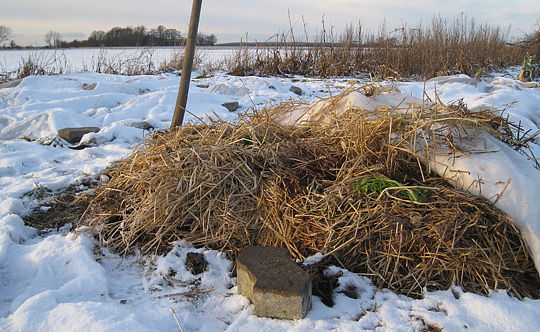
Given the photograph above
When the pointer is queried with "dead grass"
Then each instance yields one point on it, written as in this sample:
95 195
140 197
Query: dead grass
348 185
440 47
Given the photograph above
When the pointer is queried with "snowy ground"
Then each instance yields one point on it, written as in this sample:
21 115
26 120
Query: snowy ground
88 59
62 282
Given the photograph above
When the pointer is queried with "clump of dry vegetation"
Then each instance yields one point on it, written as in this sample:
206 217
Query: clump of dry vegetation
139 63
441 47
347 185
40 64
531 42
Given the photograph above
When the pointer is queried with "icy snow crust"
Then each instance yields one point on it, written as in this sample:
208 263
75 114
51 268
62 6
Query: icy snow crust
63 282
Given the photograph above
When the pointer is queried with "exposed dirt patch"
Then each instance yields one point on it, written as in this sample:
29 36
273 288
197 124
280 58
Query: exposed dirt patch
66 207
196 263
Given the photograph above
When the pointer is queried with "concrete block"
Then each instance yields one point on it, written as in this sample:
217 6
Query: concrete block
231 106
74 135
277 286
296 90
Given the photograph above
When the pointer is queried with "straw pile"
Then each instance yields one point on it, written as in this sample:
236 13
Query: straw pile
351 187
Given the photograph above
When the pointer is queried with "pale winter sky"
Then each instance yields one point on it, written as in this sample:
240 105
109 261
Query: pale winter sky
230 20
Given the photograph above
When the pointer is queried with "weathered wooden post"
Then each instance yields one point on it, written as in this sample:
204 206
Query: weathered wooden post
189 54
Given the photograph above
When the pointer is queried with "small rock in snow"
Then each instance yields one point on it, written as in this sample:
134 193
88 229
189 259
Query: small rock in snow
89 87
231 106
296 90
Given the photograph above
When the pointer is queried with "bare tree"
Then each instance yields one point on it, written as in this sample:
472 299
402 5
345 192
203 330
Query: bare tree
53 39
4 33
97 38
58 41
49 38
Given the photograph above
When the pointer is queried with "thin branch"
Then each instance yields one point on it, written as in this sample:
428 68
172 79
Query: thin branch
193 292
177 322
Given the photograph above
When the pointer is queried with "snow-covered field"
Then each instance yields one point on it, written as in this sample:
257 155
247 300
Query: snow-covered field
58 281
79 59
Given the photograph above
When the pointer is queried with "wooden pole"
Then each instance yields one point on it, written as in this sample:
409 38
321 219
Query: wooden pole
189 54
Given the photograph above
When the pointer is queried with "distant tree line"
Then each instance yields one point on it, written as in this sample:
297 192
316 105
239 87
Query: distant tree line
137 36
118 37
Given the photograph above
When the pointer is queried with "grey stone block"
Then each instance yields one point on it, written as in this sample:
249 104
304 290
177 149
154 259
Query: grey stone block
277 286
297 90
74 135
231 106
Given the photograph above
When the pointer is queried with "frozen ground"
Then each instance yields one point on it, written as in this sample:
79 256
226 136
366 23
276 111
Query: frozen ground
62 282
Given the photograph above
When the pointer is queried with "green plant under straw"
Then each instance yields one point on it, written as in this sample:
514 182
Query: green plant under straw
380 184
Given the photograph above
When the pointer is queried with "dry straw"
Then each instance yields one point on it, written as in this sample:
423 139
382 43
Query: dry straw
349 185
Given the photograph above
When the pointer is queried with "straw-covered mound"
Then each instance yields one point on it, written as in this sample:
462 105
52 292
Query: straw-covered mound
349 186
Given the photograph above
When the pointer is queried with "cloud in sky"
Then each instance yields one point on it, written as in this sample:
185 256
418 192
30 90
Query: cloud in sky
230 20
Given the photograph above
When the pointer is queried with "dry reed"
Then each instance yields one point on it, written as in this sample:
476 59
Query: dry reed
441 47
348 185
